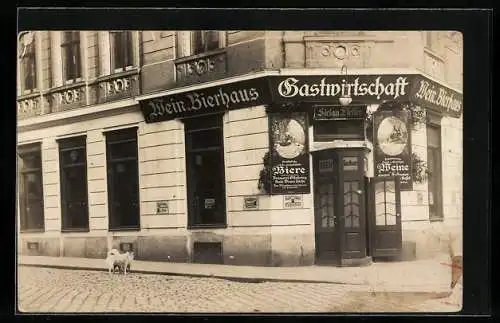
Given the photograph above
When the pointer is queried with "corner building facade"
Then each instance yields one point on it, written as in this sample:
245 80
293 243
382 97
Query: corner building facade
240 147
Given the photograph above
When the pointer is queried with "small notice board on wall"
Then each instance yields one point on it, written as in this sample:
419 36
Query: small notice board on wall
162 207
292 201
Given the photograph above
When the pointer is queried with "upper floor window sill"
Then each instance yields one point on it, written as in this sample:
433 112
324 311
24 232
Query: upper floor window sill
130 70
29 91
67 85
433 53
38 230
77 80
28 94
213 52
121 69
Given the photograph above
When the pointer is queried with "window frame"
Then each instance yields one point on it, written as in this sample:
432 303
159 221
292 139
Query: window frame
68 144
23 152
25 57
127 48
184 43
331 137
113 137
73 44
204 125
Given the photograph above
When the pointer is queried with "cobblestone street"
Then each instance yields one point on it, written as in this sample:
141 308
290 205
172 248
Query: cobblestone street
60 290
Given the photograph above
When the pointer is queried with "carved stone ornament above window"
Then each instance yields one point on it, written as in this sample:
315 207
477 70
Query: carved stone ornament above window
29 107
118 87
200 68
68 98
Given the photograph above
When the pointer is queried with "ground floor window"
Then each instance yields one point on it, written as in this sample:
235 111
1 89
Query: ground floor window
74 196
435 194
205 171
31 188
123 179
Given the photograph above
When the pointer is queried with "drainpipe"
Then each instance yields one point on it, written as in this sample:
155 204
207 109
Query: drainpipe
283 49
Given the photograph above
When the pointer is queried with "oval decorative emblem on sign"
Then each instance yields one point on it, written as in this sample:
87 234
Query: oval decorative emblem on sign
392 136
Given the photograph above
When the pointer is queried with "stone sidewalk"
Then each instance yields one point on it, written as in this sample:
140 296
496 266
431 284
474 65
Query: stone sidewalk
424 276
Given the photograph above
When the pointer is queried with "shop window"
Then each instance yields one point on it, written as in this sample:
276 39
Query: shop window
31 188
328 130
74 196
27 59
71 57
123 179
122 50
435 175
351 204
205 171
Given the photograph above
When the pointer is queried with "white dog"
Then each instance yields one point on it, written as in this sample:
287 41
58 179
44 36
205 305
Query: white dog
122 261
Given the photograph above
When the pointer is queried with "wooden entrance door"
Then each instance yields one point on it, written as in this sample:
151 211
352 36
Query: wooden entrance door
386 237
325 207
352 204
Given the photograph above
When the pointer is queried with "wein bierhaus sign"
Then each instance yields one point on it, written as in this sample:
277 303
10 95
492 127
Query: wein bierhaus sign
364 89
432 95
231 96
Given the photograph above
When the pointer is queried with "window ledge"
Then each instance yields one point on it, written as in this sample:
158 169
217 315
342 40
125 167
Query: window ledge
436 219
433 53
32 230
32 94
124 229
114 75
66 87
206 226
189 58
75 230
